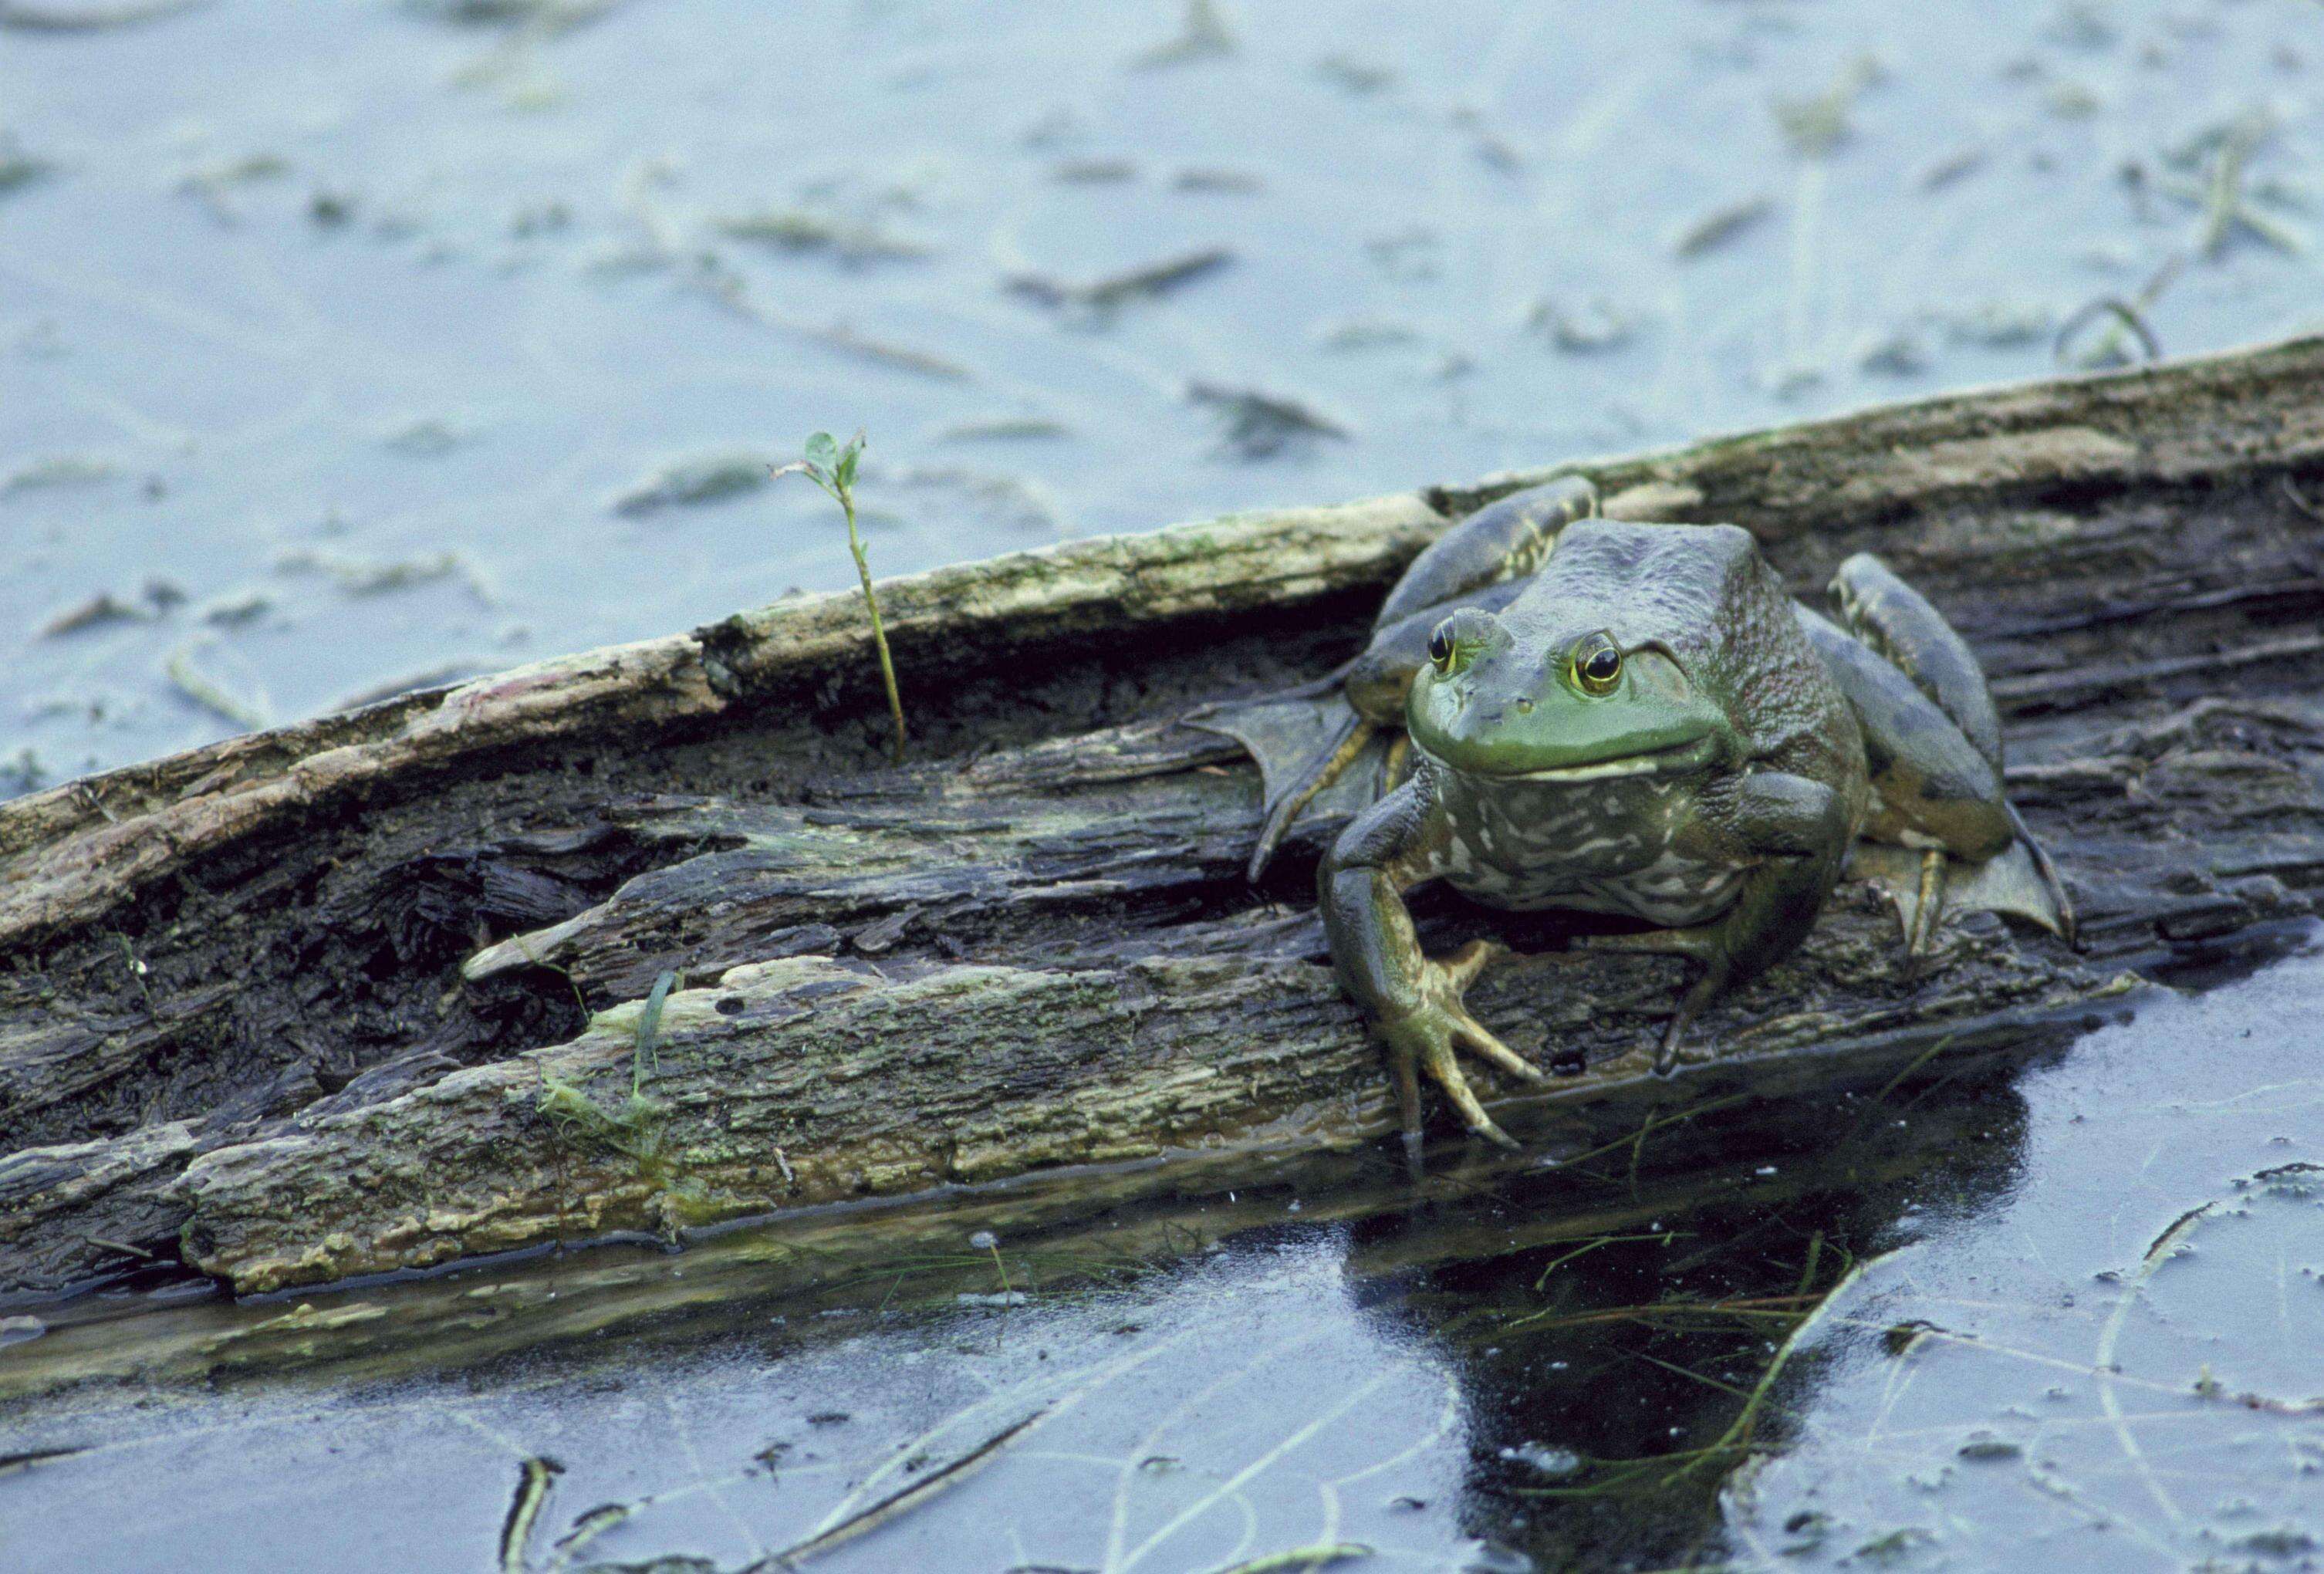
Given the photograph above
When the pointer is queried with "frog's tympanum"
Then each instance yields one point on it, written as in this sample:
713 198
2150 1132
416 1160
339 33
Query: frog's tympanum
1638 719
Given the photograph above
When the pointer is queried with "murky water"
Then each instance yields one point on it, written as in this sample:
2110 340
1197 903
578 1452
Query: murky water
350 346
346 346
2069 1310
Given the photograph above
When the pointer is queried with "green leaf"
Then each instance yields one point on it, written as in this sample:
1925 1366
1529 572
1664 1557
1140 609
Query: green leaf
845 474
822 451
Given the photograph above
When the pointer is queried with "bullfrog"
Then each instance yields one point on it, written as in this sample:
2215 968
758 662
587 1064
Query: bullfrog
1638 719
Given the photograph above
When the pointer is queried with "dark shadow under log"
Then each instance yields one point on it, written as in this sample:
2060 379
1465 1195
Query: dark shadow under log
363 994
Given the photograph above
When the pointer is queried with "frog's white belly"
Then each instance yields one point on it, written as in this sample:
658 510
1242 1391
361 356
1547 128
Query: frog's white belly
1608 846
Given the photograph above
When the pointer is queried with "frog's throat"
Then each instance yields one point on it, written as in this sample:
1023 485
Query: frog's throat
1694 754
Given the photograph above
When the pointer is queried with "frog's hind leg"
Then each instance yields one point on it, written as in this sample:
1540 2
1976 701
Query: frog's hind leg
1898 623
1934 792
1903 628
1322 768
1507 539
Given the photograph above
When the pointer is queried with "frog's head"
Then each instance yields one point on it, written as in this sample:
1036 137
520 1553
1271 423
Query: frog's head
1561 698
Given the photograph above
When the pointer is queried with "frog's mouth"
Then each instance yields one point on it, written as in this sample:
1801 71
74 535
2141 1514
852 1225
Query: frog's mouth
1693 754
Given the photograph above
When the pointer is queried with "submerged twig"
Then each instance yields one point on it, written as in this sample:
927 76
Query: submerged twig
1323 1555
524 1512
909 1497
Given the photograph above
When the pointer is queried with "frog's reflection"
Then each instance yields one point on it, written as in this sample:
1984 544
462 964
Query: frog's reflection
1616 1323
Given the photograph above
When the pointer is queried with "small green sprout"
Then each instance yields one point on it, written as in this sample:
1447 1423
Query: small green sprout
832 468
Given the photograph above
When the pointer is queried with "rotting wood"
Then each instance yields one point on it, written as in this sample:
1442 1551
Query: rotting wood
1032 948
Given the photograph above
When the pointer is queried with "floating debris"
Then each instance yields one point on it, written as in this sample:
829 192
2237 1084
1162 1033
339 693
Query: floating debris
1223 183
2000 325
233 611
1357 78
1543 1459
1898 354
196 686
853 242
1004 428
1108 294
214 185
1348 337
2072 101
1301 1560
1950 169
1006 501
2081 25
69 469
1721 228
1094 171
690 482
366 578
429 439
943 1477
22 16
98 611
1407 256
1203 36
19 169
902 357
23 773
1816 126
723 284
545 17
1492 150
435 677
2121 317
1259 426
1594 329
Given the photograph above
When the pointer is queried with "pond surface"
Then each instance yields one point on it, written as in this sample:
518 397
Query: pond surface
2068 1311
348 347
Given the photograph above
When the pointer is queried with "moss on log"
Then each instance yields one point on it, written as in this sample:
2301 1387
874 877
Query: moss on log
363 994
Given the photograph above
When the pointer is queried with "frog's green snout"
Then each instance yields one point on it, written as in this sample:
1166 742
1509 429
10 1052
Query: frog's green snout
1573 708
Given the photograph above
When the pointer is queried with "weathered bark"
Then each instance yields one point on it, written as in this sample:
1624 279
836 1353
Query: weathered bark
362 941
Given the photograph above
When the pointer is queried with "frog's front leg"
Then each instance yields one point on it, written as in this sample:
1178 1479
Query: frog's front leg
1799 829
1415 1000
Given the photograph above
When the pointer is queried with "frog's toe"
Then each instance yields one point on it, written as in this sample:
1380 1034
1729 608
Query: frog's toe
1923 929
2060 917
1462 966
1438 1062
1494 1053
1705 989
1692 942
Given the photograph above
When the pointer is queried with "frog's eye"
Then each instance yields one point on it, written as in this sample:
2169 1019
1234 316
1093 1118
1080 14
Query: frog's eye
1597 664
1441 647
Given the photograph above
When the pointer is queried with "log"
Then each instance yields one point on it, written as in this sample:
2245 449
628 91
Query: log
364 995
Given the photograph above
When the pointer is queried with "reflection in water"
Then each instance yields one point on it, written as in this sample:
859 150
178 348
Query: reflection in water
2071 1305
1613 1381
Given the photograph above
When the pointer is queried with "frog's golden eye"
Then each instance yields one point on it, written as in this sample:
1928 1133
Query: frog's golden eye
1440 646
1597 664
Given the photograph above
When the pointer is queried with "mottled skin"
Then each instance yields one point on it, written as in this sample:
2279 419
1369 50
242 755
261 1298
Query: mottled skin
1648 726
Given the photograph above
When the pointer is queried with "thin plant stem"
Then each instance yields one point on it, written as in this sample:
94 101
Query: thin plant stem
879 630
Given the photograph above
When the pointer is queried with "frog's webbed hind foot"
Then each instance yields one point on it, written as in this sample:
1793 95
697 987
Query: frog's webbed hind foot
1322 768
2019 881
2062 920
